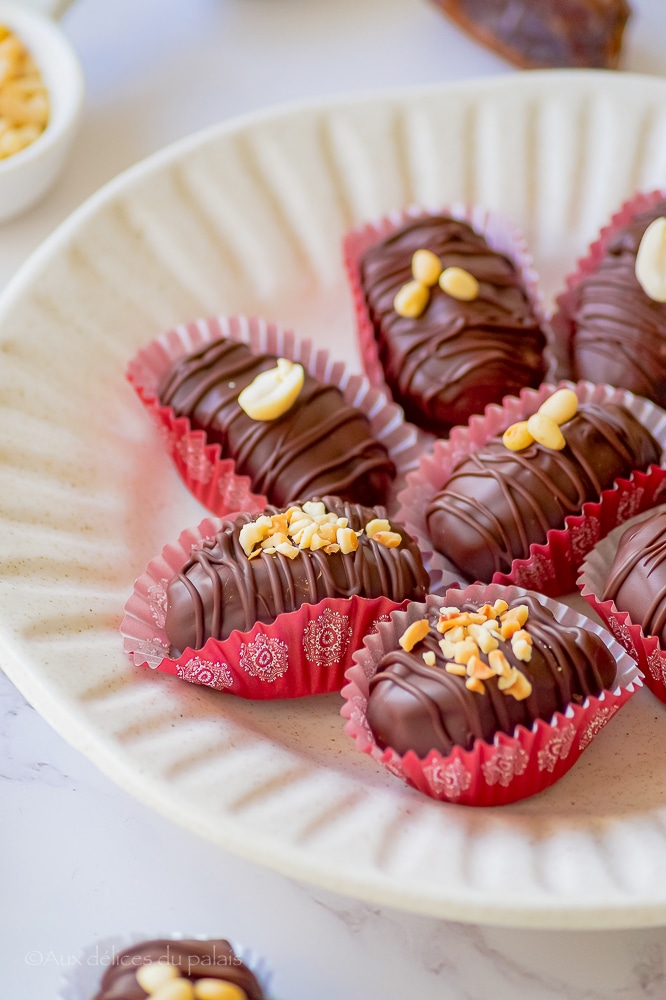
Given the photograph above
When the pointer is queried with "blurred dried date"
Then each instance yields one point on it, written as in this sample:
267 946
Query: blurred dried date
24 100
535 34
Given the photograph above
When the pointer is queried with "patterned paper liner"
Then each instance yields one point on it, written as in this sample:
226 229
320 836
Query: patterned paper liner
82 979
561 322
214 481
511 767
552 567
301 653
647 650
500 234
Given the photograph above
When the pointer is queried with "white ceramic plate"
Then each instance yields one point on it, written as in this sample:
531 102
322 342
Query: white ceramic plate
248 218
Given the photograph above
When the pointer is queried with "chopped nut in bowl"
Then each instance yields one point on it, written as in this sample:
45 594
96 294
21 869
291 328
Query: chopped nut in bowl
41 95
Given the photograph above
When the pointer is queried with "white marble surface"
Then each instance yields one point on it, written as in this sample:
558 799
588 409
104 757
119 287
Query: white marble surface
81 860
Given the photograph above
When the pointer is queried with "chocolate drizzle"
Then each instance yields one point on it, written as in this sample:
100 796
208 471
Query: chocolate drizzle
195 960
619 332
320 445
219 589
496 503
457 356
637 579
416 707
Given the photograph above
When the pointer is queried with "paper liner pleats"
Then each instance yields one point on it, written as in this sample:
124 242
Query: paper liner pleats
551 567
512 767
301 653
647 650
213 480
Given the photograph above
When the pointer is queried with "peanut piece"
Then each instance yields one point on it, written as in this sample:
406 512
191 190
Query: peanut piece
177 989
520 689
456 668
429 658
651 261
411 299
250 535
508 680
347 540
314 508
217 989
377 524
477 668
154 974
426 267
272 393
499 663
546 432
522 650
465 650
287 549
517 437
413 634
459 284
561 406
391 539
473 684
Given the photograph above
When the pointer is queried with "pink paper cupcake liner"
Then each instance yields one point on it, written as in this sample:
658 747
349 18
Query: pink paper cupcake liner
511 767
214 481
561 323
82 979
647 650
552 567
303 652
501 235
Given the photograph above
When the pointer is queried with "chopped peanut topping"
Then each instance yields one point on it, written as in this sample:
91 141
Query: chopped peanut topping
310 527
273 393
24 100
429 658
469 634
413 634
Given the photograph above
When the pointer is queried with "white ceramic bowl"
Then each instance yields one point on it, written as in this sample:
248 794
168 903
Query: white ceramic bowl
27 175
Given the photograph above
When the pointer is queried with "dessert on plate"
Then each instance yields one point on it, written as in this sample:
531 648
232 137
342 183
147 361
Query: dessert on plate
449 320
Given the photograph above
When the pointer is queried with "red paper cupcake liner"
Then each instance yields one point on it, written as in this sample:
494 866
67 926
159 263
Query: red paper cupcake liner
647 650
500 234
551 567
561 323
512 767
214 481
301 653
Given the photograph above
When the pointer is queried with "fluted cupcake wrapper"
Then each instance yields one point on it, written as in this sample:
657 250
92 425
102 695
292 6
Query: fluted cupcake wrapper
500 234
303 652
82 977
213 480
647 650
560 322
512 767
551 567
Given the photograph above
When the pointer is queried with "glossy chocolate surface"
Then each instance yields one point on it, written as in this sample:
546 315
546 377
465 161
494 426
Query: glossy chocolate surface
497 502
542 33
195 959
416 707
619 332
321 445
220 589
637 578
456 357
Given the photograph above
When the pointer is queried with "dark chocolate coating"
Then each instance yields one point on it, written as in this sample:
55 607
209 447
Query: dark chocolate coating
618 331
219 589
536 34
497 502
321 445
637 578
457 357
195 959
416 707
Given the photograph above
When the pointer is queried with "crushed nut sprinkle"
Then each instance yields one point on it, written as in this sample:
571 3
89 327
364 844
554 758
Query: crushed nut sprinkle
543 427
24 100
468 634
310 527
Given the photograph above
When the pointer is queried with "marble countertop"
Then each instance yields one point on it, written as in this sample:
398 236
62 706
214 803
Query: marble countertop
82 861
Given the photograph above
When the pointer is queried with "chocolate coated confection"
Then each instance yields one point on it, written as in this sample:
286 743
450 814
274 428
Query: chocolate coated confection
637 578
456 357
194 959
497 502
219 589
619 332
413 706
541 33
320 445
